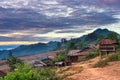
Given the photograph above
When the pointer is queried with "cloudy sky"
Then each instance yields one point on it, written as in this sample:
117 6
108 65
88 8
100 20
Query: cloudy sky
29 21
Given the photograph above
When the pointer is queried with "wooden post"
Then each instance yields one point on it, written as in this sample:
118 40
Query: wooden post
106 54
100 54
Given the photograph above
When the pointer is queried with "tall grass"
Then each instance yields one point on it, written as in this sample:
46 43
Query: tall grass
91 55
113 57
101 63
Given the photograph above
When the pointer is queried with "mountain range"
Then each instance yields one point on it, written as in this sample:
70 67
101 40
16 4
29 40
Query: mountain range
40 48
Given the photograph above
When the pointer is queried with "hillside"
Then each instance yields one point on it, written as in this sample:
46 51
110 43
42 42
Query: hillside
54 45
85 71
28 59
24 50
94 36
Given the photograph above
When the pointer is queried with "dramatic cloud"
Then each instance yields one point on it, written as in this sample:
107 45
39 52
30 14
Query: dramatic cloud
45 20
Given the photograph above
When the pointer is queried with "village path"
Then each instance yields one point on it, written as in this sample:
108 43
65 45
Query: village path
110 72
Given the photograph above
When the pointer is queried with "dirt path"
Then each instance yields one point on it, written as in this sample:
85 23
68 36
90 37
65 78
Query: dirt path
110 72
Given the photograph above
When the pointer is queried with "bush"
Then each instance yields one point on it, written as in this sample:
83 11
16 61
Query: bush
22 72
61 56
25 72
101 63
114 57
70 46
46 73
91 55
12 61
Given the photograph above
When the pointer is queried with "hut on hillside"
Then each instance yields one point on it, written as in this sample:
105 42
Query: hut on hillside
74 55
107 45
63 63
38 63
77 55
48 60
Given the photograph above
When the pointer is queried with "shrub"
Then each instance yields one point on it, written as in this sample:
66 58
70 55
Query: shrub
22 72
61 56
101 63
46 73
91 55
12 61
114 57
25 72
70 46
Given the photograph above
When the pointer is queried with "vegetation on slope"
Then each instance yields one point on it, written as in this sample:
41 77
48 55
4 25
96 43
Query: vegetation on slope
25 72
12 61
91 55
109 58
61 56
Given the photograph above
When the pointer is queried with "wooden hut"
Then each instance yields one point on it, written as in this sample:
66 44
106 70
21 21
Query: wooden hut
63 63
76 55
107 45
38 63
48 60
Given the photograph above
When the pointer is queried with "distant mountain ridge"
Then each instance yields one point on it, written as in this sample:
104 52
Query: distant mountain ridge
53 45
31 49
94 36
8 47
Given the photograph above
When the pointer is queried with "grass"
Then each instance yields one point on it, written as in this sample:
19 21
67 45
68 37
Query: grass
70 74
101 63
63 70
110 58
81 69
113 57
91 55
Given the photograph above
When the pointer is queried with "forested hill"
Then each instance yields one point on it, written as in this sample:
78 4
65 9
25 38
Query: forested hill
54 45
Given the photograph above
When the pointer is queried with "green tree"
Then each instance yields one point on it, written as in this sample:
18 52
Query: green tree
101 37
119 41
61 56
46 74
12 61
70 46
22 72
25 72
82 44
113 36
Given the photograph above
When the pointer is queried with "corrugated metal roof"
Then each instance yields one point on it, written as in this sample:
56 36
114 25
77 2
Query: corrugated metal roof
107 42
73 52
76 53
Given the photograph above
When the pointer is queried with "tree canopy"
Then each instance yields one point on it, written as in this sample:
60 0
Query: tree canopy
113 36
70 46
61 56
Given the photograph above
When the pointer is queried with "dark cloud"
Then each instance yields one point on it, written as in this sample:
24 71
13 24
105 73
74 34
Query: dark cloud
25 38
2 38
73 30
41 17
